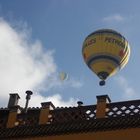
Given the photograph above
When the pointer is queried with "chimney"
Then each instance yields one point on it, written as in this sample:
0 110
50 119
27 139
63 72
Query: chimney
28 97
45 111
102 101
48 105
12 117
80 103
13 100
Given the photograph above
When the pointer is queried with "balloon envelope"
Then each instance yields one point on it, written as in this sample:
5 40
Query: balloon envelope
63 76
105 52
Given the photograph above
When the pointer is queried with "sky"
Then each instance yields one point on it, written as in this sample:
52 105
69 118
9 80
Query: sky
39 39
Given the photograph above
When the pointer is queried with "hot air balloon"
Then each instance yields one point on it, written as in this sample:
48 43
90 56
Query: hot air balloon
105 52
63 76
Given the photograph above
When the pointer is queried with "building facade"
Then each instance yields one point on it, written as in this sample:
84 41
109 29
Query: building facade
103 121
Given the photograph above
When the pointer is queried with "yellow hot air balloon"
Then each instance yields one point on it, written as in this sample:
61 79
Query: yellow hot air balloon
105 52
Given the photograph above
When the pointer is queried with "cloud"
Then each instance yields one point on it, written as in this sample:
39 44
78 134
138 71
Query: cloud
75 83
128 91
25 64
55 82
114 18
55 99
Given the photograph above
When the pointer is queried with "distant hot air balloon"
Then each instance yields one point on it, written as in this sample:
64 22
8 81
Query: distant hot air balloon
105 52
63 76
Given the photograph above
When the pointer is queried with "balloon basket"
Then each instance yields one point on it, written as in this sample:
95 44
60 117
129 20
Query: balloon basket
102 83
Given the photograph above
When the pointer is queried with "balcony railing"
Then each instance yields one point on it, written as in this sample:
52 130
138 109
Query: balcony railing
71 114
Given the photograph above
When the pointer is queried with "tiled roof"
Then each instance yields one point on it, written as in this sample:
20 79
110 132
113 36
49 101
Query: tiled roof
81 119
93 125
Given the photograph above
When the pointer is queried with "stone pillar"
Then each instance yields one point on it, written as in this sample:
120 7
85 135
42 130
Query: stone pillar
102 101
44 112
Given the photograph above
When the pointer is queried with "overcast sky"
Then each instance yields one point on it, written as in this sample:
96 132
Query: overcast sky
39 39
